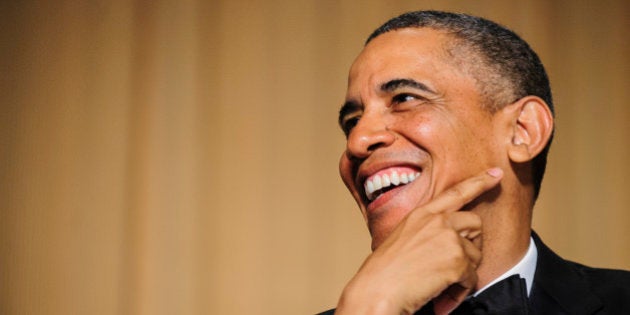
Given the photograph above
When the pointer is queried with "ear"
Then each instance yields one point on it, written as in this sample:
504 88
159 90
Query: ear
532 126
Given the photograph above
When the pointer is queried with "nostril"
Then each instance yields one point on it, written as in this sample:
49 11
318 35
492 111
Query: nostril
375 146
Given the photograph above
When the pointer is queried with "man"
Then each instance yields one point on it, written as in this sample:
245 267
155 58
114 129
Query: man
448 120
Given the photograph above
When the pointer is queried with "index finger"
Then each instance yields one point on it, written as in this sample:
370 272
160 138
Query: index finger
456 197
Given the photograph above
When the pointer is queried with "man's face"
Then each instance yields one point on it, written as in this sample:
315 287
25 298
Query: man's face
415 126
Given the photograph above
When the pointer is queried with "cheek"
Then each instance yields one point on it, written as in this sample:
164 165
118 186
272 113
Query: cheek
345 171
419 127
433 132
458 145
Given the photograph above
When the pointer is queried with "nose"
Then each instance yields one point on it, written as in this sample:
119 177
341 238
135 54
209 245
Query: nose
370 133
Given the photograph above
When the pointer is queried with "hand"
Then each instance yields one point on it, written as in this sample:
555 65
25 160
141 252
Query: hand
431 255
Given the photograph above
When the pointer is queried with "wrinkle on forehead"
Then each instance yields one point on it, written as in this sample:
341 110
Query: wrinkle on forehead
464 60
415 53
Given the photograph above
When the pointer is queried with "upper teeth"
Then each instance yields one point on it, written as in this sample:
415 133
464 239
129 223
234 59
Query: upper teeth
374 184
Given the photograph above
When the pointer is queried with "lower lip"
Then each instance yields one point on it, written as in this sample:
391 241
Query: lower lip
386 197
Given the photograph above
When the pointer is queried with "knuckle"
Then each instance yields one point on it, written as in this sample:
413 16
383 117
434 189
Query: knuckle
451 276
455 261
473 219
453 246
451 237
455 273
476 219
458 255
457 192
416 215
437 220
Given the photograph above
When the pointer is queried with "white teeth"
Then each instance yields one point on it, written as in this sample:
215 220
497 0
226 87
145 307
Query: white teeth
369 187
395 178
385 180
404 179
378 182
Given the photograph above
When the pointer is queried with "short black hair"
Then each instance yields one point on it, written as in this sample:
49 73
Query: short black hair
506 67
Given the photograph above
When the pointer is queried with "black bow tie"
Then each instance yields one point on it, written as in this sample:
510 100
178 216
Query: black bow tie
508 296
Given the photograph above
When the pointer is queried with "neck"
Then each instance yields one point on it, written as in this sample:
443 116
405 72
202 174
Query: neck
499 258
506 237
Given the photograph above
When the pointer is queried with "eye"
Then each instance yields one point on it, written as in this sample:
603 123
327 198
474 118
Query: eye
349 123
401 98
405 101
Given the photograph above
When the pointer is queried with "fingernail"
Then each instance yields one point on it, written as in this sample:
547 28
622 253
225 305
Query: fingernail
495 172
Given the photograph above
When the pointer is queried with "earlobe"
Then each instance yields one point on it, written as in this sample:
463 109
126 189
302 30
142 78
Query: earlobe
531 130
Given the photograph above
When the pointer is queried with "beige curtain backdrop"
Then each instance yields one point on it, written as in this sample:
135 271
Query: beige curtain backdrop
180 157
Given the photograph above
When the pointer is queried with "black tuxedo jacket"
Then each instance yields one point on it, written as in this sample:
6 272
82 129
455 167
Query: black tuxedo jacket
564 287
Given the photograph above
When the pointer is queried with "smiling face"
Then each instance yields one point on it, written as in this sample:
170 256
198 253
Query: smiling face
415 125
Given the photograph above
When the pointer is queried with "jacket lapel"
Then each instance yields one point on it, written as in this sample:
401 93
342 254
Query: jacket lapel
559 287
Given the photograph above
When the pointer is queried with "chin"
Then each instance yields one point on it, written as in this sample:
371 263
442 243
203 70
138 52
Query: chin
382 228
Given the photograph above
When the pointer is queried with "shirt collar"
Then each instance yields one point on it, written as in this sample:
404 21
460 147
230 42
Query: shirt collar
525 268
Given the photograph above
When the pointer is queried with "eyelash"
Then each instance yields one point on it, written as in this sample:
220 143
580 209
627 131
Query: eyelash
401 98
349 124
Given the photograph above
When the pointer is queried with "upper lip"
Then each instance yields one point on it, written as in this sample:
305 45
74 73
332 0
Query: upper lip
366 170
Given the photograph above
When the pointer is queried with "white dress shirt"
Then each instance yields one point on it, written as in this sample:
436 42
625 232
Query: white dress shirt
525 268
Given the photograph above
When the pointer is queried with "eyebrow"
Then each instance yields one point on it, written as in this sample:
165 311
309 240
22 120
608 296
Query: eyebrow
395 84
352 106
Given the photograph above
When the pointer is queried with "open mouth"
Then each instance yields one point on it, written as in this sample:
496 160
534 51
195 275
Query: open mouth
388 179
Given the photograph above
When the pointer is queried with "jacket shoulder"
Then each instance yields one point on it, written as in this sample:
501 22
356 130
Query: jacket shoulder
609 281
612 286
568 287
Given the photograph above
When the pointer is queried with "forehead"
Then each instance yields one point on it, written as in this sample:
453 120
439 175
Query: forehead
420 53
